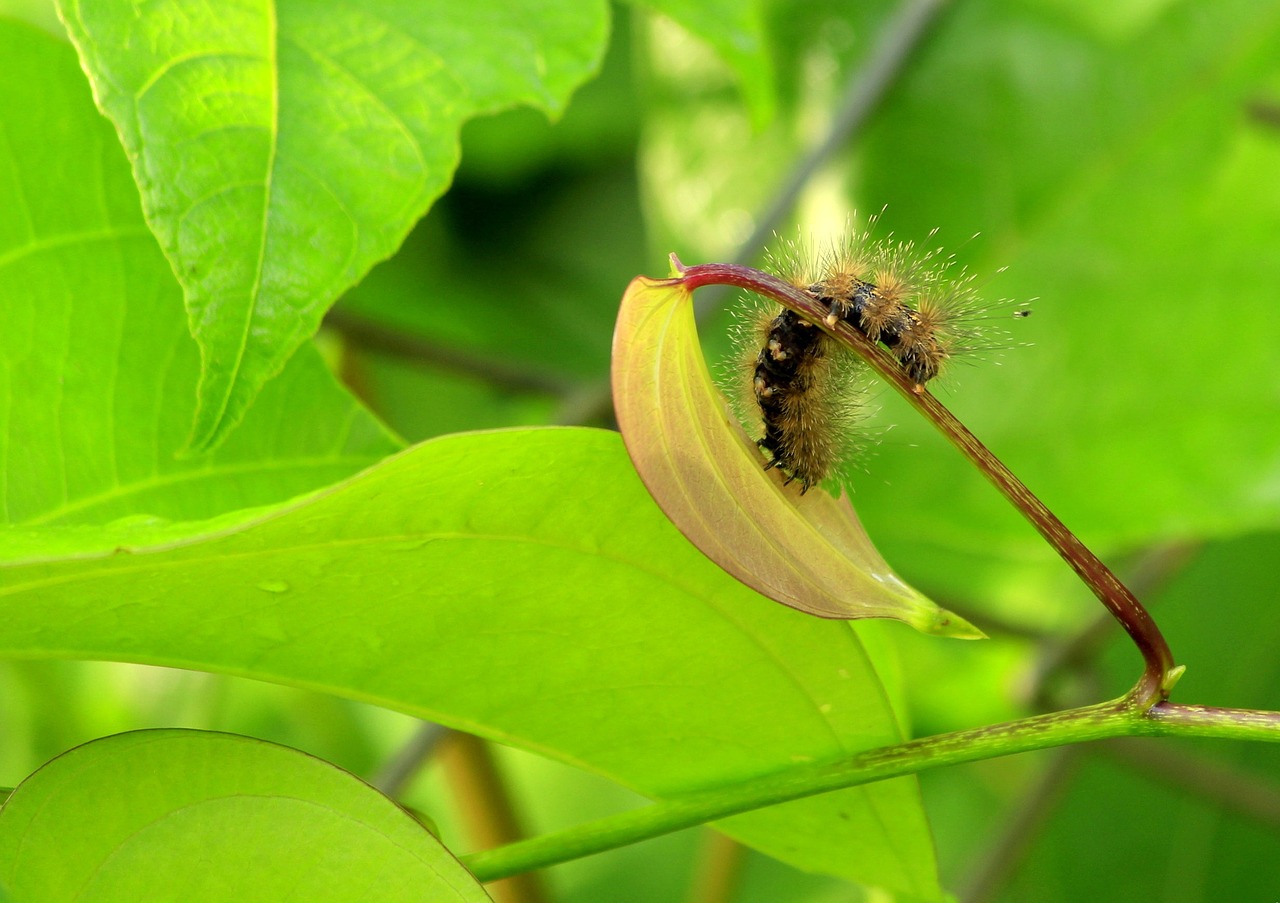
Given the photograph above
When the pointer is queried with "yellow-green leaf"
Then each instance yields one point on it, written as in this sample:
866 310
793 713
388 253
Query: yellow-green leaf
806 551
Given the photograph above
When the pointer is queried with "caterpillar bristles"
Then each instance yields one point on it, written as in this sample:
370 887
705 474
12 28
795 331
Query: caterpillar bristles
805 387
916 304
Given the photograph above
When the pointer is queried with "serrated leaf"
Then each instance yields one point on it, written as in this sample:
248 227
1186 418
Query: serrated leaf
97 371
521 585
196 816
806 551
282 148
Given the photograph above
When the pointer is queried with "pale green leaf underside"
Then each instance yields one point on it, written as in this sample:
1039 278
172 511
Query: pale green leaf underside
521 585
282 148
97 370
195 816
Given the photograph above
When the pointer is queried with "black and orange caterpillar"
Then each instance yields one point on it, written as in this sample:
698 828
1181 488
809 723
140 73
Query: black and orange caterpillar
803 381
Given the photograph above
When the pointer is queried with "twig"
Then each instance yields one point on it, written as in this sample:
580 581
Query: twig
485 808
399 770
719 873
371 335
1034 804
1160 672
1255 796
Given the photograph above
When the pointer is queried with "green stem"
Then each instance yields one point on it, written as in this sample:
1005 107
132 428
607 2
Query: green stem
1160 672
1142 712
1119 718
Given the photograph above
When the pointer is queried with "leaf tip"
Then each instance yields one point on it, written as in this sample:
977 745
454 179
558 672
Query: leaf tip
940 622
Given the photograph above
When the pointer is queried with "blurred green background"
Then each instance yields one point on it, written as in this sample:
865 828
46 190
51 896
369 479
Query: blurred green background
1122 161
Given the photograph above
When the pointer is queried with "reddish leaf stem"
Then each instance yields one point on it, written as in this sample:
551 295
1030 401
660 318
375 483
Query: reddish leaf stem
1160 672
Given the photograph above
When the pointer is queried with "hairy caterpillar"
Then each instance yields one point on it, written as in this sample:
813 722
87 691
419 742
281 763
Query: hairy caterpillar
804 383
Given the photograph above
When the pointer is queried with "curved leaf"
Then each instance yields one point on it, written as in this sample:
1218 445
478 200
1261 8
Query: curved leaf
807 551
284 146
521 585
195 816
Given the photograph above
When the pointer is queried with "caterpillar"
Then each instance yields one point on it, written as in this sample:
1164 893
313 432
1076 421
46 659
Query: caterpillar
806 388
805 384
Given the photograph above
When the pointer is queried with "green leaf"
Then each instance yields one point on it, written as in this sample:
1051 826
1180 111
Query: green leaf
97 371
807 551
283 148
194 816
519 584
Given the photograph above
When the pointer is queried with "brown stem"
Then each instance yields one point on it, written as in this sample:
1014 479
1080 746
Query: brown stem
489 369
1159 672
486 809
718 872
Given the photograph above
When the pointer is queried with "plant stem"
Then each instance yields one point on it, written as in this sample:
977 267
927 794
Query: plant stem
484 806
495 371
1159 672
1118 718
396 774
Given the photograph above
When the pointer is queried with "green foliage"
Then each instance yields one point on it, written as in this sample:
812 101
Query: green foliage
85 828
253 130
519 584
99 371
578 593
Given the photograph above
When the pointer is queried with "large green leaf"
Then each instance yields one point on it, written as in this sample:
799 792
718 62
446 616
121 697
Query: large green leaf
283 148
521 585
97 371
194 816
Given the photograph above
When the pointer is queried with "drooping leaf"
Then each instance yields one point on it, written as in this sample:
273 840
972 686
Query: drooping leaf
521 585
282 148
196 816
806 551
